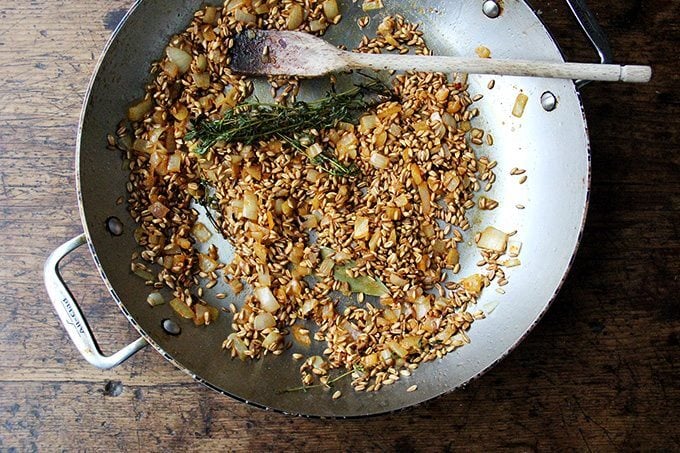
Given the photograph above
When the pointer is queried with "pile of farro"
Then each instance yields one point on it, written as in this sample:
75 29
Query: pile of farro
388 235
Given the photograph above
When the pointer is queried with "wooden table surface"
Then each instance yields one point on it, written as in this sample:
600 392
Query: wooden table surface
600 372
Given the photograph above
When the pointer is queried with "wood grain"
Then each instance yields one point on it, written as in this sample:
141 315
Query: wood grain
599 373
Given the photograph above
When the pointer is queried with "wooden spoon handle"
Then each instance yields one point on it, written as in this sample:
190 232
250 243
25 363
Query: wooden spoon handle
574 71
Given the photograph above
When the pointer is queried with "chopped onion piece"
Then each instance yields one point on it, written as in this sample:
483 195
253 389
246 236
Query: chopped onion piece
296 254
174 163
170 69
330 9
493 239
520 104
245 17
514 247
326 267
431 324
201 80
371 360
361 230
327 312
416 174
182 309
294 287
452 257
155 298
449 121
424 193
391 315
255 171
233 4
453 182
375 240
395 130
512 262
393 108
250 205
301 335
483 52
491 306
158 210
391 41
401 200
181 58
421 126
314 150
180 112
263 276
205 314
238 346
307 306
201 232
295 17
200 315
421 307
288 208
316 362
351 329
312 175
138 111
411 342
445 334
263 8
210 15
439 247
159 163
428 230
267 300
264 321
368 122
206 263
261 252
272 340
348 140
317 25
397 348
385 355
473 284
396 280
371 5
379 161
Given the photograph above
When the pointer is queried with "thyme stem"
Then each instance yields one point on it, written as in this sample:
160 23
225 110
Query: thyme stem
304 388
253 122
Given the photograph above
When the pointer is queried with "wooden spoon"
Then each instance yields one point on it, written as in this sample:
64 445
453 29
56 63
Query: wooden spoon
263 52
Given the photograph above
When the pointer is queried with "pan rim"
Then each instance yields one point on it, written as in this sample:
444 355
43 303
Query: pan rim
204 382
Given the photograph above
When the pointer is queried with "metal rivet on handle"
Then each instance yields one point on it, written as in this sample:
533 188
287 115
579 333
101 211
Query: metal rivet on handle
171 327
491 9
114 226
548 101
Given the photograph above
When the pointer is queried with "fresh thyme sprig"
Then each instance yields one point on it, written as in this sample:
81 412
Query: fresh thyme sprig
328 384
255 121
210 203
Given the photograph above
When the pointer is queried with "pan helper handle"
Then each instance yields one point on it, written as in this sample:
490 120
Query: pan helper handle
586 19
72 318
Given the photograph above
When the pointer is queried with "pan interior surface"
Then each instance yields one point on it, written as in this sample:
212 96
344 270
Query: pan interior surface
551 145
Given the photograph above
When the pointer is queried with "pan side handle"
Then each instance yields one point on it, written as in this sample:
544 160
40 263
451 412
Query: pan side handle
593 31
72 318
